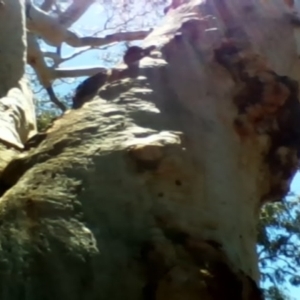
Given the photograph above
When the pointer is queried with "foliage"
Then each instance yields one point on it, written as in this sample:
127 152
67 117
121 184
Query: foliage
45 119
279 247
274 293
46 112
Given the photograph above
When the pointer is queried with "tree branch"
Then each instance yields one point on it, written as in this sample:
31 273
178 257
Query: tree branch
74 12
54 99
109 39
55 33
69 72
45 74
57 59
36 60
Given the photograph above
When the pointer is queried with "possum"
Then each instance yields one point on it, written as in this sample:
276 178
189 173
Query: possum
88 88
136 53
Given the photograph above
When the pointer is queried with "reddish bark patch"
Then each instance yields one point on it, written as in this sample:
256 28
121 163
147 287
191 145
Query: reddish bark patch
267 104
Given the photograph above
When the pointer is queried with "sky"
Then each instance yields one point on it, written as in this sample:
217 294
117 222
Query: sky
94 17
295 186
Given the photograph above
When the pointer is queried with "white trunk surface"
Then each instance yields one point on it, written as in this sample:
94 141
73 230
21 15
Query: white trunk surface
17 112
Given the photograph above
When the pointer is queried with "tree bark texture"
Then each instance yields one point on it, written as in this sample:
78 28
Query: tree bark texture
17 112
152 189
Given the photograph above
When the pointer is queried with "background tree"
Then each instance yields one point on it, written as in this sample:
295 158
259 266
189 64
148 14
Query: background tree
278 247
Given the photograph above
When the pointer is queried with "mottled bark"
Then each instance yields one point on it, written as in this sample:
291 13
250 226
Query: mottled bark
152 189
17 112
12 36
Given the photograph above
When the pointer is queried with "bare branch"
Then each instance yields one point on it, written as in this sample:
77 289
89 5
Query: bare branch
74 12
36 60
41 23
69 72
55 33
45 74
57 59
109 39
54 56
54 99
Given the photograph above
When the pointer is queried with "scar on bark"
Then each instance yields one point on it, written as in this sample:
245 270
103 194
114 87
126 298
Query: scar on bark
267 104
146 157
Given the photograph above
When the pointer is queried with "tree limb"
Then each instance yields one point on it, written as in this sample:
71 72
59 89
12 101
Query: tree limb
57 59
36 60
55 33
45 74
54 99
74 12
78 72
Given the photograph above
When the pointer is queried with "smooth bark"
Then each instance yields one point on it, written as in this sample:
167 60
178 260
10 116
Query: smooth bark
17 112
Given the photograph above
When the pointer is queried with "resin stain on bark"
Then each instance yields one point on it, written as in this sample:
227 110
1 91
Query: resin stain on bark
267 105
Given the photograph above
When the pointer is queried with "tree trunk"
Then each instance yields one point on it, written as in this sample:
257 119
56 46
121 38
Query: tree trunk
17 112
152 190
